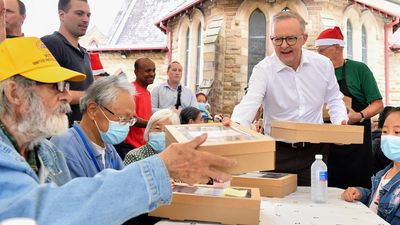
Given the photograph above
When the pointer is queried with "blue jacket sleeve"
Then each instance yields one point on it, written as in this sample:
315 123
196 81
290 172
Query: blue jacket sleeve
365 195
111 197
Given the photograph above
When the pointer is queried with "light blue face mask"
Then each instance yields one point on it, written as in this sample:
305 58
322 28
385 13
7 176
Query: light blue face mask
157 141
390 146
202 106
115 134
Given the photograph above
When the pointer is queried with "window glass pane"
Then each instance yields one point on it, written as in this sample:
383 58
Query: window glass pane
349 40
187 57
364 44
257 40
199 57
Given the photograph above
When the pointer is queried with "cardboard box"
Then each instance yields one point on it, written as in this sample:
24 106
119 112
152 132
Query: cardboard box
253 151
270 184
317 133
325 114
187 205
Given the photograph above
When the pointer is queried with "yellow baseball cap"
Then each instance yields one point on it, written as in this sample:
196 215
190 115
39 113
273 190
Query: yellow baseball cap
29 57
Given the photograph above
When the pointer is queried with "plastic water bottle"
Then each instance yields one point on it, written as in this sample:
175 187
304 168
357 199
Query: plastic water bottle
319 180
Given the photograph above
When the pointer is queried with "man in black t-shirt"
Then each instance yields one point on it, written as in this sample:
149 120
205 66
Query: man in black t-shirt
63 44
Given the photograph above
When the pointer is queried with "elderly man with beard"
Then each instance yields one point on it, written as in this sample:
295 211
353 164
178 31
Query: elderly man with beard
33 103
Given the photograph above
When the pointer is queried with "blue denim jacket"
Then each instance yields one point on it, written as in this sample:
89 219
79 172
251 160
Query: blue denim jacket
110 197
78 159
388 207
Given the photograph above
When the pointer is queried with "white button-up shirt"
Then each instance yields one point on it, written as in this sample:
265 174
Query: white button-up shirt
289 95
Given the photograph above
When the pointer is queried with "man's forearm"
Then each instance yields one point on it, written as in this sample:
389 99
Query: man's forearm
373 109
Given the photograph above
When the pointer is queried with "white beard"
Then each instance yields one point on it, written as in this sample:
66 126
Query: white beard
38 124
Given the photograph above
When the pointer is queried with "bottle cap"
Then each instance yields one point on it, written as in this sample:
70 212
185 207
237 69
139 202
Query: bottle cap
318 156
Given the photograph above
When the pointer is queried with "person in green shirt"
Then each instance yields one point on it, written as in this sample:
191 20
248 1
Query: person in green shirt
351 165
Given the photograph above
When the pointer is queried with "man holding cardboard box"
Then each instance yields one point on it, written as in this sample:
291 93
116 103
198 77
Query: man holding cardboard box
351 165
292 85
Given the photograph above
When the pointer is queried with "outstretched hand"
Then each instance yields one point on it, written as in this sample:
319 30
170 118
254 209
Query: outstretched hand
191 166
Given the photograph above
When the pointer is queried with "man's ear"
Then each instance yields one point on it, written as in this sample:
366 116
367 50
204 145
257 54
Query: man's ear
12 93
305 37
92 109
61 15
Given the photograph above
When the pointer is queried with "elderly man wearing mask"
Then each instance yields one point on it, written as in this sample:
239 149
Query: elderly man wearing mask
33 103
108 112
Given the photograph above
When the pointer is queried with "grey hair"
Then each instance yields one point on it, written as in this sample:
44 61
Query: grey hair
22 82
105 90
287 14
158 116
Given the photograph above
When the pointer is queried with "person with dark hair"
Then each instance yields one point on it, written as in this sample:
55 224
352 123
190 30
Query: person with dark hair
380 161
383 198
145 71
292 85
172 94
63 44
15 17
190 115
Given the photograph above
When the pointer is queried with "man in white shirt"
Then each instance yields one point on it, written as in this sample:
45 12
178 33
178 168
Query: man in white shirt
292 85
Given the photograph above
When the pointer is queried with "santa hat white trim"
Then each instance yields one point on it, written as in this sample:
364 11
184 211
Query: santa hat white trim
97 72
329 41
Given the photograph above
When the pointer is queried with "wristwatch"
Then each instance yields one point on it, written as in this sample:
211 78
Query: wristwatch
362 117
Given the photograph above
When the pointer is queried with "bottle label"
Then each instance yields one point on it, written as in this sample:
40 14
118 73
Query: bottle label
322 175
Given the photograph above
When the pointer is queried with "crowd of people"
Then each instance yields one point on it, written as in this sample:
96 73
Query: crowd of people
80 150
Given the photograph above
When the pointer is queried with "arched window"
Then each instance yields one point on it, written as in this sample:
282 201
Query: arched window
187 51
364 44
349 40
257 35
199 70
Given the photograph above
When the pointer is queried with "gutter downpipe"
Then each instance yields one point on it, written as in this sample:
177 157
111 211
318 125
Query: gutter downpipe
169 41
388 27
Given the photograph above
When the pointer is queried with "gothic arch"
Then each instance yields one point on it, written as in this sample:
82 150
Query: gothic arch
197 28
353 15
184 27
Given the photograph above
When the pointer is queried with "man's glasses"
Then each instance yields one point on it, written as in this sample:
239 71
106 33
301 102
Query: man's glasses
59 86
122 120
291 40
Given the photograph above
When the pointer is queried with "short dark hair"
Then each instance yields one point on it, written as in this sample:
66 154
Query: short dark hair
64 5
189 113
138 62
169 66
21 6
385 113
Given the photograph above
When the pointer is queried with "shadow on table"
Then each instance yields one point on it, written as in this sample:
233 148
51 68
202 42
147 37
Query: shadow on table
143 219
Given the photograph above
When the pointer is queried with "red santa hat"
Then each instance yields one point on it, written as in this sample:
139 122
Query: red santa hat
331 36
95 62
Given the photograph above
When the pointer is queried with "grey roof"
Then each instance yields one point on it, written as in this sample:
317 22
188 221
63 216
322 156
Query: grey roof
134 24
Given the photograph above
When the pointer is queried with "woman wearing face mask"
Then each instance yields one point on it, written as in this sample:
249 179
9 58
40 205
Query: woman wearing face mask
154 135
108 112
384 197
